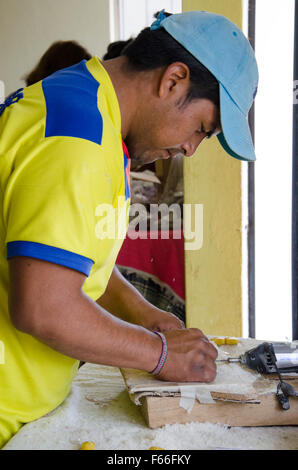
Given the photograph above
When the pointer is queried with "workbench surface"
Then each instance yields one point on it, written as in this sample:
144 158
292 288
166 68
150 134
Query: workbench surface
99 409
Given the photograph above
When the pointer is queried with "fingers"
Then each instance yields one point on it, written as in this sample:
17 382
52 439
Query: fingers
191 357
168 322
205 368
208 348
172 325
203 361
202 343
180 324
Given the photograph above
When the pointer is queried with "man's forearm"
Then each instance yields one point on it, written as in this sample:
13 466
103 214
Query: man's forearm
85 331
122 299
67 320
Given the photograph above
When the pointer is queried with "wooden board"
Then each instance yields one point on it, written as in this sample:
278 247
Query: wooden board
159 411
238 396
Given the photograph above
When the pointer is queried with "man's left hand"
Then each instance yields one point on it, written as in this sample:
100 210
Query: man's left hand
155 319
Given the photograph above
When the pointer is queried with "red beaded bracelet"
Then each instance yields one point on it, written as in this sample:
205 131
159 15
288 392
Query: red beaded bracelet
163 355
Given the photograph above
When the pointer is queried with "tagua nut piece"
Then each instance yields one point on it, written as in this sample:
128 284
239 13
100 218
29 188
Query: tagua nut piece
231 340
88 445
221 340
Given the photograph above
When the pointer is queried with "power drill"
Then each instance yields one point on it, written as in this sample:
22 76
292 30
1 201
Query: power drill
273 359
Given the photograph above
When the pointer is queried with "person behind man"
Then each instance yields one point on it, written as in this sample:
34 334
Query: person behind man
116 48
65 195
59 55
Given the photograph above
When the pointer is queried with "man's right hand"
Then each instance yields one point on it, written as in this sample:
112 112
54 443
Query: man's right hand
191 357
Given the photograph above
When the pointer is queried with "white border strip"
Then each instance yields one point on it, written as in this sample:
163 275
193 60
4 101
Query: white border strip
244 221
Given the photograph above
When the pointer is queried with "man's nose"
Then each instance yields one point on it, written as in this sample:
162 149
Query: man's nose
190 146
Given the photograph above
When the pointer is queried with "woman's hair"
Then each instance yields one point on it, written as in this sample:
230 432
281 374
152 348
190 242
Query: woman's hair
154 49
59 55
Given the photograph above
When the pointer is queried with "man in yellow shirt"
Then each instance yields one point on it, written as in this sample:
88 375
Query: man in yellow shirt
64 167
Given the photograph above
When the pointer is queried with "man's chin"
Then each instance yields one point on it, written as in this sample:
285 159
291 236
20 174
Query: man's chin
141 161
147 158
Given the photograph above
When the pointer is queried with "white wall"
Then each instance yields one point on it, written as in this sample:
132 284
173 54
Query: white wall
244 190
29 27
138 14
273 168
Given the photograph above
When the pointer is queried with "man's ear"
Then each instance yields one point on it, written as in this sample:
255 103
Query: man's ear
175 80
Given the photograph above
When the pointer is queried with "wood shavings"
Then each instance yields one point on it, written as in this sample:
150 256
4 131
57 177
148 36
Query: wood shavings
119 425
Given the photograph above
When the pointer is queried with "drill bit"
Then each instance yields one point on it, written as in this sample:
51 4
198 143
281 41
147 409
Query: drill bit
229 359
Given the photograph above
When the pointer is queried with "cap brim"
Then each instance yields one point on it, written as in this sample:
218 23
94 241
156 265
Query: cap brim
235 137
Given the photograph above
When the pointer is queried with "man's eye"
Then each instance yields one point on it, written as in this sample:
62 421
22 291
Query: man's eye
202 131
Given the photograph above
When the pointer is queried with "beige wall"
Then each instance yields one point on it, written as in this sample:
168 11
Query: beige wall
29 27
212 178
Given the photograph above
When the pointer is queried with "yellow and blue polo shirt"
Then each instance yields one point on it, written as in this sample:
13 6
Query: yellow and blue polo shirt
62 166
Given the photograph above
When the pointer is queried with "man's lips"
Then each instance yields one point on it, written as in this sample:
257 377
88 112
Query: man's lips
172 153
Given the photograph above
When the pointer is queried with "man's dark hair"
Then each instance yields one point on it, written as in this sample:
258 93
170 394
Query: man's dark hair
154 49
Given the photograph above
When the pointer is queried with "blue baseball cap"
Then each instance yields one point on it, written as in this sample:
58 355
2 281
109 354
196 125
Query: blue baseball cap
224 50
